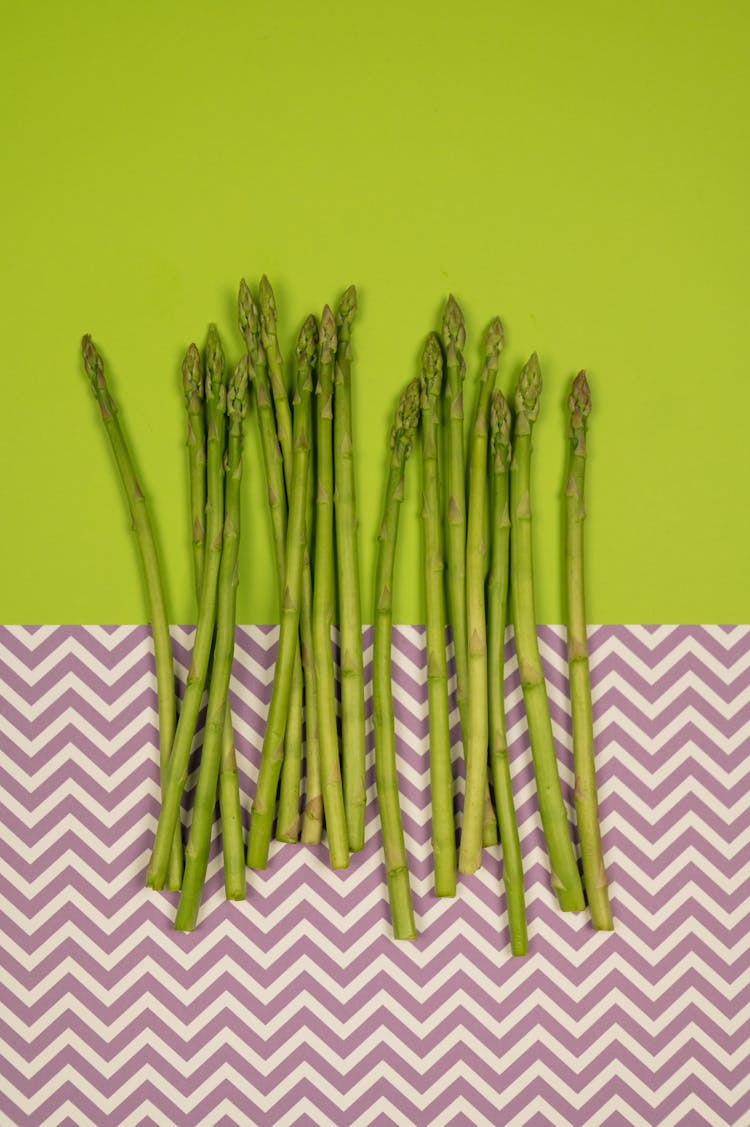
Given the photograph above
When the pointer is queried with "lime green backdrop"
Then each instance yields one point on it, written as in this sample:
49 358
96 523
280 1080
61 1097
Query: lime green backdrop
581 169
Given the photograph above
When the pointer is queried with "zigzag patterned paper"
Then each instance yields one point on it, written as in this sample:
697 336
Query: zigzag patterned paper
297 1007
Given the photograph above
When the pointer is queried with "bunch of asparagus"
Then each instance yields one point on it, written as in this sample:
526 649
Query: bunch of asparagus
477 546
488 549
216 407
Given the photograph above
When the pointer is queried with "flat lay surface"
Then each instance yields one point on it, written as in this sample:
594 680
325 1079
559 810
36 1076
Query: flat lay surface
297 1006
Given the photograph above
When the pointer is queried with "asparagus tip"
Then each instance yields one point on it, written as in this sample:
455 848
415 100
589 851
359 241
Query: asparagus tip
328 340
267 302
247 314
236 405
307 342
579 405
453 328
192 374
432 366
529 389
92 361
407 418
579 401
215 364
347 308
495 340
500 429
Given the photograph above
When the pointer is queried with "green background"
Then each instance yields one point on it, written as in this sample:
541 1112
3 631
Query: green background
581 169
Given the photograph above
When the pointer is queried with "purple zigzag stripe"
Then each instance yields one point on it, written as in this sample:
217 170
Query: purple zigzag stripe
692 960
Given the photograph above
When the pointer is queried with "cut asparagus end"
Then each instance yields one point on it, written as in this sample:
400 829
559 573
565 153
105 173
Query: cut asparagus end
500 426
529 389
432 367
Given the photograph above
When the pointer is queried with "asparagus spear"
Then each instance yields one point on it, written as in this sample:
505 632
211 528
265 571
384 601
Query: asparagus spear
196 854
249 322
403 432
333 798
288 823
287 828
215 395
441 775
347 559
157 612
497 598
312 816
470 853
229 796
587 811
565 879
273 744
454 339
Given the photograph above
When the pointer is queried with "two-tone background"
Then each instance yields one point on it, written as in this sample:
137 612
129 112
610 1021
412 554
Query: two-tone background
583 172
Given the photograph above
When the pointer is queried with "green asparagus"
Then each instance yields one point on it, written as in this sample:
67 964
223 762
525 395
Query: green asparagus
587 809
264 803
196 854
497 598
249 322
288 822
477 736
215 395
386 778
229 798
454 339
323 596
347 560
157 612
565 878
441 774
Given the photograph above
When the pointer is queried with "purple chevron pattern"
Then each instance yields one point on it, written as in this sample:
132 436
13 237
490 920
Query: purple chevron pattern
296 1007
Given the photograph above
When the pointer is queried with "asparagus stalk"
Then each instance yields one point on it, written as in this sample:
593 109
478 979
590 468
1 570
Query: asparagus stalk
312 816
192 382
287 826
288 821
333 798
441 774
587 809
454 339
215 396
229 796
565 879
157 612
347 559
196 854
249 322
470 853
497 598
261 822
386 777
